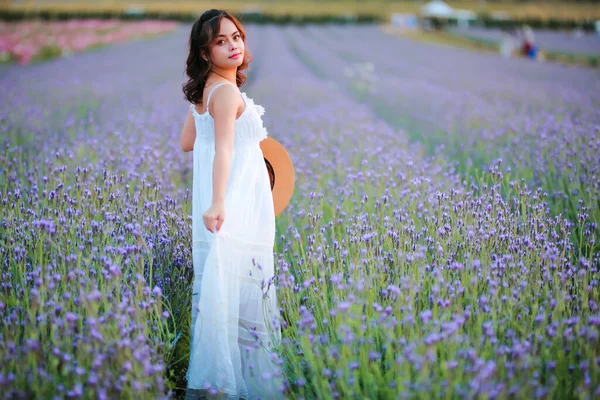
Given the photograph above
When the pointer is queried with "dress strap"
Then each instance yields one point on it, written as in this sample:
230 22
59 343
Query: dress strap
213 89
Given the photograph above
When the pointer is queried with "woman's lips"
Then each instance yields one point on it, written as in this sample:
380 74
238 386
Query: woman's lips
236 55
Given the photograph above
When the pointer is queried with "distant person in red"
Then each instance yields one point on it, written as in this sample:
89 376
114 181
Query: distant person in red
528 48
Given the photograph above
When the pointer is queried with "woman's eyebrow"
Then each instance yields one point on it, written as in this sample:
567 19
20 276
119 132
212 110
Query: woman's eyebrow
231 34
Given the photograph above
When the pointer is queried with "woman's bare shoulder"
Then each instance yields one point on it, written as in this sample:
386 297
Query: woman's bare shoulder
225 100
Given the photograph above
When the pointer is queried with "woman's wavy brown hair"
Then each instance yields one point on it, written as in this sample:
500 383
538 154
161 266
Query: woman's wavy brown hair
204 32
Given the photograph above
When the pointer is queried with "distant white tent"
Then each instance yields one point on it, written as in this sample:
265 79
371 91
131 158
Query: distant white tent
437 9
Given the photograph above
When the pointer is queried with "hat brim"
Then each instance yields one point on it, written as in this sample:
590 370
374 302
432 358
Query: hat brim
281 172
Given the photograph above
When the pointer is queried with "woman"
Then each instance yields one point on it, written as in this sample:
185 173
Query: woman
235 316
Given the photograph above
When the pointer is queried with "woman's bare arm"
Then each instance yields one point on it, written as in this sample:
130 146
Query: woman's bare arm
188 133
223 108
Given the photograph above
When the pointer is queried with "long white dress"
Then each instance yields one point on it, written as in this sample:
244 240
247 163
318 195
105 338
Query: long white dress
235 314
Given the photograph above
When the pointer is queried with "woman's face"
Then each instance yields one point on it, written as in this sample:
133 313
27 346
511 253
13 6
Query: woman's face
227 51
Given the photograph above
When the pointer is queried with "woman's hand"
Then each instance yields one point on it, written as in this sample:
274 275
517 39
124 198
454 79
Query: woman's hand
214 217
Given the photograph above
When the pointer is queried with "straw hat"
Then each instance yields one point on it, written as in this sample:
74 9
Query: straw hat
281 172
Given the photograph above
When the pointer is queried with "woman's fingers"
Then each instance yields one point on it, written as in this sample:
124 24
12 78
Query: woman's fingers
213 224
219 224
209 223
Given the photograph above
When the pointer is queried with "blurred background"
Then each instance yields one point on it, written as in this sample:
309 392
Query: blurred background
561 30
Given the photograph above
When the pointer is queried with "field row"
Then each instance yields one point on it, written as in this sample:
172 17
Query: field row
542 120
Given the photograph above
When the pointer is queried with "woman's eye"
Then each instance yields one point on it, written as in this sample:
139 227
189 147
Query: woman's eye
222 41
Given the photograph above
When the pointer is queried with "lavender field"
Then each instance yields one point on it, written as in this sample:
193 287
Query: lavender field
442 241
